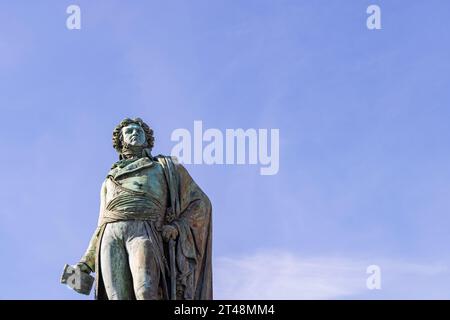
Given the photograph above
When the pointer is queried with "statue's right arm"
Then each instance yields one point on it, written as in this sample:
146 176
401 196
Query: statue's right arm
88 258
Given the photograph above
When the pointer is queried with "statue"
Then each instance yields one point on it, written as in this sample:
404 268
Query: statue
153 238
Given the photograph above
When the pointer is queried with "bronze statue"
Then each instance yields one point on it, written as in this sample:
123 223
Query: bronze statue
153 239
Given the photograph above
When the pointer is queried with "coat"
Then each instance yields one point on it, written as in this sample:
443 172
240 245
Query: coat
191 213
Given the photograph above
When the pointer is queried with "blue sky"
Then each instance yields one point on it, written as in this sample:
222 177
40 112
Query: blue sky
363 119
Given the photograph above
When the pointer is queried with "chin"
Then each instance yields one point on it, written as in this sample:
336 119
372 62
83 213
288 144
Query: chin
135 144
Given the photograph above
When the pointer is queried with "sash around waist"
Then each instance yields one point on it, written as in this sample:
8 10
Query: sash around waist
150 215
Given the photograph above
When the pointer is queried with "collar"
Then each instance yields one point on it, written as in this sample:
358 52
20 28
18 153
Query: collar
130 165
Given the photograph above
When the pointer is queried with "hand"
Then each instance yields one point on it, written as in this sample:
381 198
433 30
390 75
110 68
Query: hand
169 232
84 267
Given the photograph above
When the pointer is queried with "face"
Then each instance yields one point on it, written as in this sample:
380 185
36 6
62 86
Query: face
133 134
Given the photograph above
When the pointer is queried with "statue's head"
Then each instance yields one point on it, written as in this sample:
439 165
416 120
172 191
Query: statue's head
132 132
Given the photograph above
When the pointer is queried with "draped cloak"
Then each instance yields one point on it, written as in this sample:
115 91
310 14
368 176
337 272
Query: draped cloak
190 211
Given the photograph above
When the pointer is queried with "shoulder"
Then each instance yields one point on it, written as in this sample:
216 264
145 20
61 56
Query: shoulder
173 167
169 161
116 166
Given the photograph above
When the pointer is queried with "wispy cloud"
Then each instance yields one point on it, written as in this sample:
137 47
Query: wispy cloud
283 275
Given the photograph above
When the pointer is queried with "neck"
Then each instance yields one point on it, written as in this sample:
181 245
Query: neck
131 152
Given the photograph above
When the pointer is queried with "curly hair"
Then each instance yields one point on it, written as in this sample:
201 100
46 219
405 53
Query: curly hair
117 133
